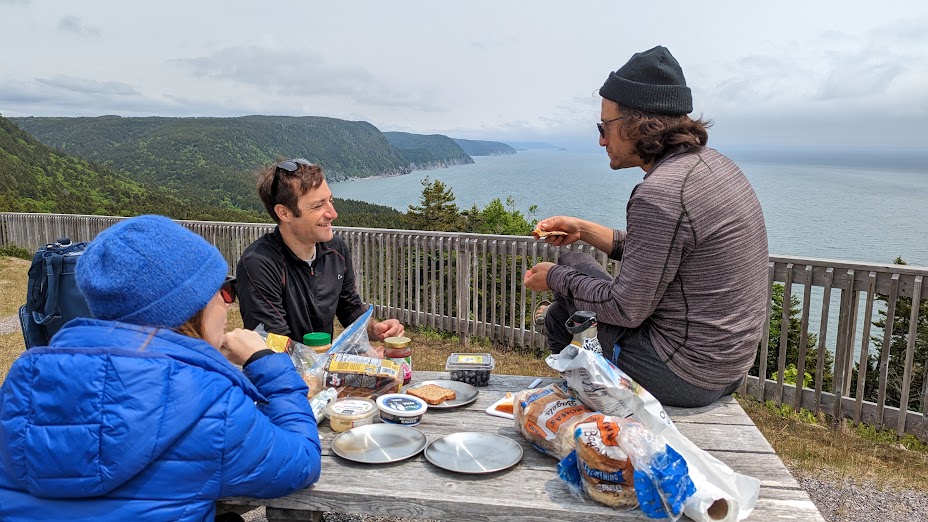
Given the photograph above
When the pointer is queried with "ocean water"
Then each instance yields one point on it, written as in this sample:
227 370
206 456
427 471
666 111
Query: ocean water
855 214
845 213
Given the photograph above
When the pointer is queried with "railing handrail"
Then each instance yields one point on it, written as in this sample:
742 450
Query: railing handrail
798 260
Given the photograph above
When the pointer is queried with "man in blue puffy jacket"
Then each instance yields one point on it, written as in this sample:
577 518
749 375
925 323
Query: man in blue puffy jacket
141 413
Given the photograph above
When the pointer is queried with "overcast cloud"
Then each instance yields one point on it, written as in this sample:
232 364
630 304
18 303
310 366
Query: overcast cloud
791 73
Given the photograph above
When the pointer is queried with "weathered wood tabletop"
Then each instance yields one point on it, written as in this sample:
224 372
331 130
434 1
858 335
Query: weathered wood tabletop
531 490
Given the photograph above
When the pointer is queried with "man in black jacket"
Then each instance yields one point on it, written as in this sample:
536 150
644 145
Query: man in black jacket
299 278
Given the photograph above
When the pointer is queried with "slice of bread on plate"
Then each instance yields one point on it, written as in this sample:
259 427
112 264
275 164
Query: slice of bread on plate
432 393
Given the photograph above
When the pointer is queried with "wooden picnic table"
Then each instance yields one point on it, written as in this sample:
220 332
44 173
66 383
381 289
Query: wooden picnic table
531 490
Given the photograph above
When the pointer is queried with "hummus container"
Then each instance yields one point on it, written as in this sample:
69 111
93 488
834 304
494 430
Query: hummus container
398 408
350 412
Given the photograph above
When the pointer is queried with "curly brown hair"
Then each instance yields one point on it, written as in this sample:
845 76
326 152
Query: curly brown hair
283 192
656 135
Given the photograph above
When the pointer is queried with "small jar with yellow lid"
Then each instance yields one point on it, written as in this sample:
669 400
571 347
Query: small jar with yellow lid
399 350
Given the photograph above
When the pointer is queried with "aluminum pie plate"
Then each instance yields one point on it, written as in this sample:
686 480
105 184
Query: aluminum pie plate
466 393
474 452
379 443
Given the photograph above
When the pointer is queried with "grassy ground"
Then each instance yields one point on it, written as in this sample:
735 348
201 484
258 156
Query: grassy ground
12 295
811 444
807 443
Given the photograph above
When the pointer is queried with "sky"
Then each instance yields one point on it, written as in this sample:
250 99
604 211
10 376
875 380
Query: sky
837 75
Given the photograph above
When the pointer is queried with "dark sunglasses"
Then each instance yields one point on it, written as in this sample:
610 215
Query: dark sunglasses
227 290
602 126
288 166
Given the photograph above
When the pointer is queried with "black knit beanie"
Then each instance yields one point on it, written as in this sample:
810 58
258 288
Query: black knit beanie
651 81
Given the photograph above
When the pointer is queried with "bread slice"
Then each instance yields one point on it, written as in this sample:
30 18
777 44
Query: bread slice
432 393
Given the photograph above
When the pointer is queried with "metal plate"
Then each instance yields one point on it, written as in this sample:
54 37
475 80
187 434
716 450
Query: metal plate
379 443
466 393
473 452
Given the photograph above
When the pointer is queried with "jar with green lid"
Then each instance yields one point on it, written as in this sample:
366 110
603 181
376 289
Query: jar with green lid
320 342
399 350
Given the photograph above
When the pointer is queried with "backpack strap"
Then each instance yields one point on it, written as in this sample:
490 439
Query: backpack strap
53 265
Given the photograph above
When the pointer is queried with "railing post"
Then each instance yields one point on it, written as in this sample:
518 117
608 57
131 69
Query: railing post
841 347
784 331
765 338
909 355
803 337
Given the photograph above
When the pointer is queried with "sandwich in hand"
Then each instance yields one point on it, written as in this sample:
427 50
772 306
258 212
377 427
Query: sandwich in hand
538 233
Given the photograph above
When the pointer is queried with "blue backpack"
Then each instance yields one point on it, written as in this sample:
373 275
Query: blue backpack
52 297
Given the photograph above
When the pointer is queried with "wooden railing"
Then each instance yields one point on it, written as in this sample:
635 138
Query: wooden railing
470 285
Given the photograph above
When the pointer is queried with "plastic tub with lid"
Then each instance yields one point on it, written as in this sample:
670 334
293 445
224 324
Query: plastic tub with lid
399 408
350 412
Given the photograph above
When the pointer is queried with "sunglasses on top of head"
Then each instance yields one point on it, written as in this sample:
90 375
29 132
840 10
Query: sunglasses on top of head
227 290
602 126
286 166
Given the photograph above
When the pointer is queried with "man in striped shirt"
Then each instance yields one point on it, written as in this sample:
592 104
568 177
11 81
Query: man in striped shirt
685 314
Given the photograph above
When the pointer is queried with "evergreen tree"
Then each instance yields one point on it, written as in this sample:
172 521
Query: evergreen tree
794 327
437 210
897 349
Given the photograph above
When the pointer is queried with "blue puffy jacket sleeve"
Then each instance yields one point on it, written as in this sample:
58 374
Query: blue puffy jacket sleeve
274 449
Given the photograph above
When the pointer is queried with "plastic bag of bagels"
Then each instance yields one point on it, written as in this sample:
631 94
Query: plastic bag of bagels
602 386
605 469
547 417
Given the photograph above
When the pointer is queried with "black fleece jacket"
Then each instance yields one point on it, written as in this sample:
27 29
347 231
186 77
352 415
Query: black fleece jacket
289 296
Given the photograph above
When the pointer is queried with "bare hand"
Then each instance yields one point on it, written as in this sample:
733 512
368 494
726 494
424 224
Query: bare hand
536 278
383 329
238 345
564 224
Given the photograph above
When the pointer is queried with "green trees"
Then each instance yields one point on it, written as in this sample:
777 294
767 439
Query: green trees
437 210
898 346
794 329
497 218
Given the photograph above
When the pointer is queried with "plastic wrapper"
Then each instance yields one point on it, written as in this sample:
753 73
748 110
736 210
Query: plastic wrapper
320 401
302 356
352 365
602 387
604 469
662 480
547 416
607 389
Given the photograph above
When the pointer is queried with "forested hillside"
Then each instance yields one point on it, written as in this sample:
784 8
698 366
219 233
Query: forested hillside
37 178
214 159
428 151
484 148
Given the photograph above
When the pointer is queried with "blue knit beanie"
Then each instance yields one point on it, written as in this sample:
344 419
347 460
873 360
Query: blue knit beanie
150 271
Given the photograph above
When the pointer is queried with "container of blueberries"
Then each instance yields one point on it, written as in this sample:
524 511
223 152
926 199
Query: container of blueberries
472 368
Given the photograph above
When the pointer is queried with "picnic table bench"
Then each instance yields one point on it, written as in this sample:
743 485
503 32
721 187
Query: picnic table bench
531 490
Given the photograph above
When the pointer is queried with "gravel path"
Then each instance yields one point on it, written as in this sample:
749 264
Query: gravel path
840 500
9 324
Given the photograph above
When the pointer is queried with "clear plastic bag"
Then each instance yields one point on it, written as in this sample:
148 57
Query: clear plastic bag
353 366
603 387
662 480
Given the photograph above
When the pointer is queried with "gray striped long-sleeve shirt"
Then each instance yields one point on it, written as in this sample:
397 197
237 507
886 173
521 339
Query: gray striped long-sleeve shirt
694 267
